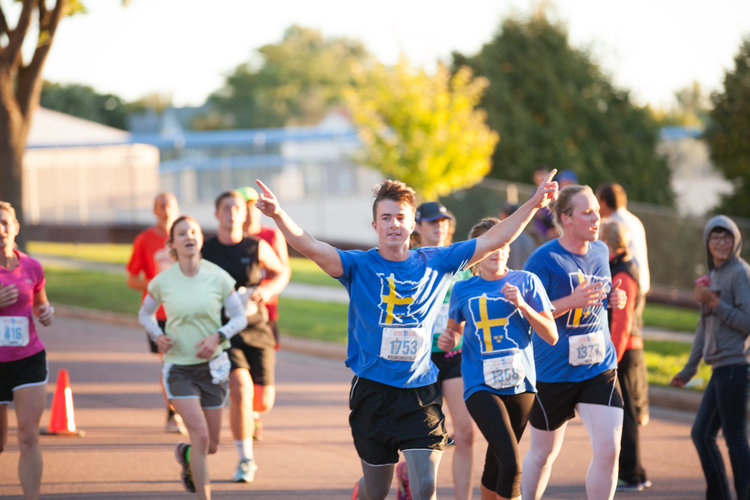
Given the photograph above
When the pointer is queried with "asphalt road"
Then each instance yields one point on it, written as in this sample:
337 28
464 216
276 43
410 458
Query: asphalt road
307 452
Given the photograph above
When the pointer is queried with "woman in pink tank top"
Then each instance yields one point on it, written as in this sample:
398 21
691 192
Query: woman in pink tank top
23 362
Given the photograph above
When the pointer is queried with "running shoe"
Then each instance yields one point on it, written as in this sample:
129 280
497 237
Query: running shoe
258 429
175 425
633 487
245 471
180 452
402 482
625 486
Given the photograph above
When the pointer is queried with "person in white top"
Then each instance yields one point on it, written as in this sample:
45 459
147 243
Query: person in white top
613 203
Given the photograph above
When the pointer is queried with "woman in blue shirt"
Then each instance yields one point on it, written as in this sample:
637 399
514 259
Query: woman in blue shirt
496 311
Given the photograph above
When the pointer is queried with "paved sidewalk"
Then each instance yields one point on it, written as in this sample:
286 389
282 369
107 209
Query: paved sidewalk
307 451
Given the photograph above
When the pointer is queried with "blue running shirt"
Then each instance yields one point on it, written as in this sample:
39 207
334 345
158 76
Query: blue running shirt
561 272
495 332
392 310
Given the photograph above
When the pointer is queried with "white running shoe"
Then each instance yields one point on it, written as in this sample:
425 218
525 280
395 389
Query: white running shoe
245 471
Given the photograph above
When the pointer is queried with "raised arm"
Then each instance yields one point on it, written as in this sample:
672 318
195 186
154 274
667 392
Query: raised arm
508 230
323 254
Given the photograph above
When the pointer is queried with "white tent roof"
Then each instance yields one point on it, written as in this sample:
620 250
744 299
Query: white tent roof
51 128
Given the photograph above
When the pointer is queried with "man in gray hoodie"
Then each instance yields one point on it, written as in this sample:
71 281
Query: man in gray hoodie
722 339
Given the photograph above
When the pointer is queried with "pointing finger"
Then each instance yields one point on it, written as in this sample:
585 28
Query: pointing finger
550 176
265 189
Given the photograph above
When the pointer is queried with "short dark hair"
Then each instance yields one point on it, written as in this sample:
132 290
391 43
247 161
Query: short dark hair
229 194
613 195
721 229
393 190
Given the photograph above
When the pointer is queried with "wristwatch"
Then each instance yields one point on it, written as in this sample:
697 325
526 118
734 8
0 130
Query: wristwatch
222 337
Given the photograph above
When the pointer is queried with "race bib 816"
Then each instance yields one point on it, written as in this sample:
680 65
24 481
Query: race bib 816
15 331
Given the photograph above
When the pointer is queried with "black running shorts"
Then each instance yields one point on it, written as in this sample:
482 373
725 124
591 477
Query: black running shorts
448 364
385 419
22 373
556 401
259 361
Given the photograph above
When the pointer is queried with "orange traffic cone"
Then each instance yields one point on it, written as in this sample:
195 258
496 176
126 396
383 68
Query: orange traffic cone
61 419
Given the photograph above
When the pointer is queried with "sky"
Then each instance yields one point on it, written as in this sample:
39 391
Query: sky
185 48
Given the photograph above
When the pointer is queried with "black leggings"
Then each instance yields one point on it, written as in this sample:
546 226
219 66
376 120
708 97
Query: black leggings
496 416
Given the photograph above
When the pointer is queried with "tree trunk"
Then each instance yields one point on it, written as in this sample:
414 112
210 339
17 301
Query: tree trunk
20 89
14 133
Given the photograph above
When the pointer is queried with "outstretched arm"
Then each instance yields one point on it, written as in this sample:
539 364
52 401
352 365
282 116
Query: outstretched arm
508 230
323 254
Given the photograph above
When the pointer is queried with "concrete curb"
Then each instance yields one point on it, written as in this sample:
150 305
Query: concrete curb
665 397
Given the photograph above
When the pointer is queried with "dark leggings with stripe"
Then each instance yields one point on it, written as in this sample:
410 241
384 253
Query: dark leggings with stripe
502 420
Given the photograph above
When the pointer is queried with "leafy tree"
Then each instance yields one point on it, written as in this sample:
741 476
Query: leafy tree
552 105
728 130
21 84
423 129
84 102
296 82
690 109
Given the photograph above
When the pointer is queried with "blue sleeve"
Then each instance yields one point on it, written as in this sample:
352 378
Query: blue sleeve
537 295
348 258
454 310
457 256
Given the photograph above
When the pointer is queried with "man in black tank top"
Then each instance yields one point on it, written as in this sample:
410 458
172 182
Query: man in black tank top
259 275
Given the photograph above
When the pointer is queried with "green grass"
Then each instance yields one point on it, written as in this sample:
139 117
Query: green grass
306 271
665 358
670 318
91 290
108 292
111 253
303 270
314 320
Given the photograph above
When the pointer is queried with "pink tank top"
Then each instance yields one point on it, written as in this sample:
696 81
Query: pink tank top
28 277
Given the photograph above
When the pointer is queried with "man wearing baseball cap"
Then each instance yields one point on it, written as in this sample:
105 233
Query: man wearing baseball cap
435 228
435 225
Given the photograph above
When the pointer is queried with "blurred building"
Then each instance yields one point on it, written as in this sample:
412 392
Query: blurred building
80 172
77 171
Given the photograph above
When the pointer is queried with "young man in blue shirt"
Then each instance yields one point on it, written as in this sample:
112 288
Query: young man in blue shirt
395 296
